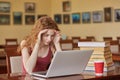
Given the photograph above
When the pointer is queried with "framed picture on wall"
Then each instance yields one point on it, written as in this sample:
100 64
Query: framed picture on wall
4 19
29 7
58 18
97 16
66 6
17 17
41 15
86 18
29 19
108 14
75 18
117 15
5 7
66 18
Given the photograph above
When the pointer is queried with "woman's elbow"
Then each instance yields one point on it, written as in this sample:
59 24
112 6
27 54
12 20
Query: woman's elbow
28 70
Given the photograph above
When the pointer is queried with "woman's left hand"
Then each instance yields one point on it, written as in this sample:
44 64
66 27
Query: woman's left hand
57 37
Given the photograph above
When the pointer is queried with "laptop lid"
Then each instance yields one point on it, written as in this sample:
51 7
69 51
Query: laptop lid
67 63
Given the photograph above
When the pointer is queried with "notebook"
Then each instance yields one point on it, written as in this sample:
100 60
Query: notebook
66 63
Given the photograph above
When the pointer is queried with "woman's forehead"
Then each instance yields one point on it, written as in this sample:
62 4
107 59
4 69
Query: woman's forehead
50 31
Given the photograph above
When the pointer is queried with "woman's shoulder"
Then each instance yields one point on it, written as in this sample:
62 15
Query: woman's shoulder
22 43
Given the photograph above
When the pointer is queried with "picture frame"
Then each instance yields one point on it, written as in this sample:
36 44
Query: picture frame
66 18
108 14
4 19
29 19
5 7
41 15
66 5
58 18
17 18
29 7
97 16
75 18
86 17
117 15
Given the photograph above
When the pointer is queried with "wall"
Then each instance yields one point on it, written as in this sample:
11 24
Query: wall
52 7
92 29
20 31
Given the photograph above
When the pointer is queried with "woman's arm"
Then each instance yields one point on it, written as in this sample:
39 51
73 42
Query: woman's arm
56 40
29 61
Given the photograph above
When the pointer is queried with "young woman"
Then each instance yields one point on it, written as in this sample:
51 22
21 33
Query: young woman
38 47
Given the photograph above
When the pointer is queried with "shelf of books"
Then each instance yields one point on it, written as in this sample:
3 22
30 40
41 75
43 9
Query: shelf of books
101 52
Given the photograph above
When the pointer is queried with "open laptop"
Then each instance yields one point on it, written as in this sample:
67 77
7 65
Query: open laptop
66 63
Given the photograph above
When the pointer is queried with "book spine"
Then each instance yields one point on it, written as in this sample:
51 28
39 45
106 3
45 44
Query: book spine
93 44
105 68
101 49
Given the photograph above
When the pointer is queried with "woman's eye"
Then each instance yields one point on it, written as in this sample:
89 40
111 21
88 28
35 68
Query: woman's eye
53 36
46 35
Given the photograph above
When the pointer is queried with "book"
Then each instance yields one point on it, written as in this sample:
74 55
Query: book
98 56
102 52
92 68
96 48
91 72
105 64
94 44
107 61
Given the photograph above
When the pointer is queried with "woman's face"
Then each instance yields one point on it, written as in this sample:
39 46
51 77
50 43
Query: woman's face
48 37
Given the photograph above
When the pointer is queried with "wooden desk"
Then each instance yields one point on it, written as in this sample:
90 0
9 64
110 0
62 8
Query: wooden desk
113 75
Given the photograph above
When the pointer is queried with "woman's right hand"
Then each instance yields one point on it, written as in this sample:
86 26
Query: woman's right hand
40 33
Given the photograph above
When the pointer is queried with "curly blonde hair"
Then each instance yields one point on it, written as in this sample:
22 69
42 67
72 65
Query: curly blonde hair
44 22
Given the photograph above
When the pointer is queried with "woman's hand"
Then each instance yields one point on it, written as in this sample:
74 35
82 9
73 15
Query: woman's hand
40 33
57 37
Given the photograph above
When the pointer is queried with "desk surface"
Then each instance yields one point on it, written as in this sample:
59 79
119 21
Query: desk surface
112 75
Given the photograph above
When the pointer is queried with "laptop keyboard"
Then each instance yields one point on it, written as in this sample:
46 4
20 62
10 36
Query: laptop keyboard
43 73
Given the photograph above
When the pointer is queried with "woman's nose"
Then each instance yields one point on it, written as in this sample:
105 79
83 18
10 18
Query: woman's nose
49 38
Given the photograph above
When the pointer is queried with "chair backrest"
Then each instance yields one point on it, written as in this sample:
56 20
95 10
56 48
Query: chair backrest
114 47
107 38
13 60
85 40
16 63
11 41
75 41
66 44
118 38
92 38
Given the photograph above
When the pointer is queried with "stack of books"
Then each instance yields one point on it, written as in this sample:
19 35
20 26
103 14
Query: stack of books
101 52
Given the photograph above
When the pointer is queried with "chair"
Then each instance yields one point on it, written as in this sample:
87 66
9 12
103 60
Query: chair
114 46
92 38
66 44
85 40
75 41
11 41
13 60
107 38
118 38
